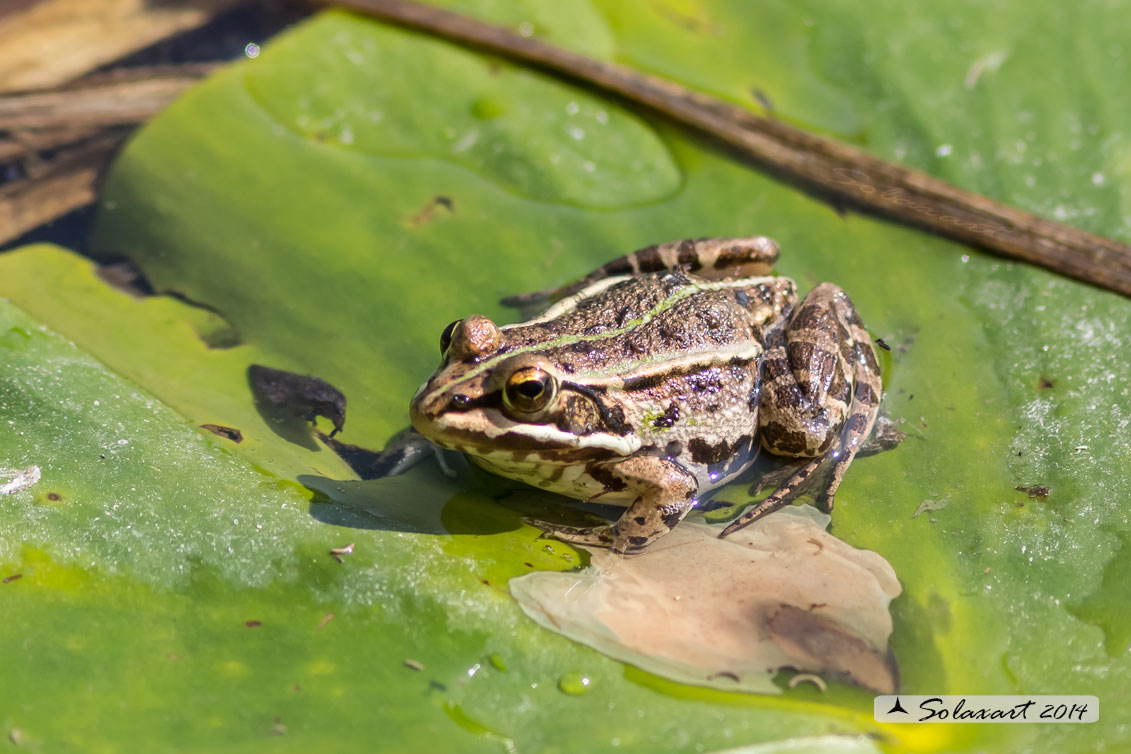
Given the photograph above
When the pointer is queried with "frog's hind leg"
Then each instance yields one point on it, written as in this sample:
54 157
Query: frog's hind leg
705 257
780 498
865 407
821 394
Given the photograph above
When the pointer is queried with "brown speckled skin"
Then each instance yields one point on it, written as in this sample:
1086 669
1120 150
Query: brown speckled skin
661 381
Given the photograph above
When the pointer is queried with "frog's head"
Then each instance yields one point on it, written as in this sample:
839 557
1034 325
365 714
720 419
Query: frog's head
490 396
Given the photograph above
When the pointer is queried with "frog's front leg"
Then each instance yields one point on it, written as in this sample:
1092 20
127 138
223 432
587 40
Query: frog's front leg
705 257
820 394
665 492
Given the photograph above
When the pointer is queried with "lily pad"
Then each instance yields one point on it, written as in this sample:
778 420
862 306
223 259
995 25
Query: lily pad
345 260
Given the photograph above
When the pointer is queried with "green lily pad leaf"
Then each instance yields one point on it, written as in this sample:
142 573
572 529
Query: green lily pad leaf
164 344
147 543
108 453
345 259
534 137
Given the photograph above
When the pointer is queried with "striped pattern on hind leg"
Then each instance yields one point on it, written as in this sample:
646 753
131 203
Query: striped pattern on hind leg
866 394
706 257
780 498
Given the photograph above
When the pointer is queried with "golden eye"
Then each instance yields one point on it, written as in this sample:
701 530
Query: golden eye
446 336
529 390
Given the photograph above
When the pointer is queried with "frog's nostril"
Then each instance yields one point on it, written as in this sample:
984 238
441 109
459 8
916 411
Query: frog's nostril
459 400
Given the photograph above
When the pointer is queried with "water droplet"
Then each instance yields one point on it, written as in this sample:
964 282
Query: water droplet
944 150
574 684
1098 179
251 49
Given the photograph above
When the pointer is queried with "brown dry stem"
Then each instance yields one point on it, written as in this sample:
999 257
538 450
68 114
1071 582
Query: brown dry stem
837 171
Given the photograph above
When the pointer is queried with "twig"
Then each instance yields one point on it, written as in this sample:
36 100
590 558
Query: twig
107 99
64 184
23 143
818 164
52 41
62 137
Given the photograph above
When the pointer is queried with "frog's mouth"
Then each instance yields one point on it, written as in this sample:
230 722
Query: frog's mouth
481 431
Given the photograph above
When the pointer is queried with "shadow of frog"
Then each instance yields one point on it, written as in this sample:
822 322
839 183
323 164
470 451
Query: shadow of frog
461 501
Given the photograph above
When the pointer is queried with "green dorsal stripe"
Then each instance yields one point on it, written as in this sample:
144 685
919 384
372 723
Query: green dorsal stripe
567 340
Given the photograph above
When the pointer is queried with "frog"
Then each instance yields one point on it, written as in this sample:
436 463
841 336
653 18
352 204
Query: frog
655 379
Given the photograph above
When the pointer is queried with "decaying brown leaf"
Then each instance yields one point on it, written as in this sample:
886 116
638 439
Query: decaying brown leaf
729 613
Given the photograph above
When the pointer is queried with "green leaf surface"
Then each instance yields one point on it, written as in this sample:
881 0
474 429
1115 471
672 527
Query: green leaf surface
330 241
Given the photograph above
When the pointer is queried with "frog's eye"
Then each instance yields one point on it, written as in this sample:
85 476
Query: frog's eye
446 336
529 390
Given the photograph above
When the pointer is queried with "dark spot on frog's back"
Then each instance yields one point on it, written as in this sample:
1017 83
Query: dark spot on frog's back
705 453
669 418
742 298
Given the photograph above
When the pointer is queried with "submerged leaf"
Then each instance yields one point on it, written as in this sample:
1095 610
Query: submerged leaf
728 613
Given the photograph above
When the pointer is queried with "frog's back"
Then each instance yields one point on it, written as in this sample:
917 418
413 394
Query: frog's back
625 326
676 359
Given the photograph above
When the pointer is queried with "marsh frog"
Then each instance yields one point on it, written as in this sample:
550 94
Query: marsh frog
655 379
